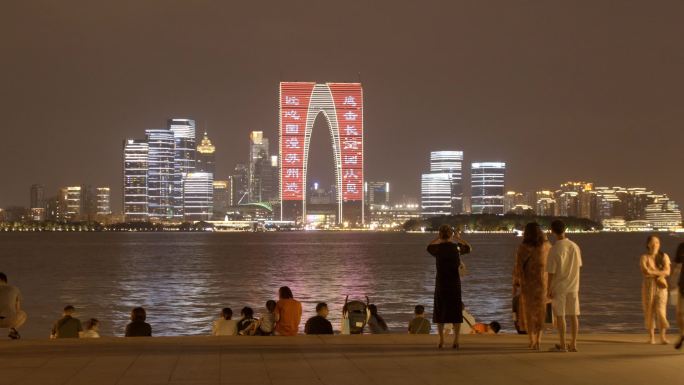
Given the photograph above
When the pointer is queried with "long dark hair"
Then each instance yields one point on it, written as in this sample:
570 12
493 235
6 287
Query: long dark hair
660 256
374 313
533 235
285 293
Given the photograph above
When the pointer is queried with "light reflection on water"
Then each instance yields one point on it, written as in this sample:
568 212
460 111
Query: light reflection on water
183 280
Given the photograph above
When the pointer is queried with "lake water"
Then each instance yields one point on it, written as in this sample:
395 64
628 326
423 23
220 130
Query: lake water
184 279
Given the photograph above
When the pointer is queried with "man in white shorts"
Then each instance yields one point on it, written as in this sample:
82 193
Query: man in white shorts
11 315
563 266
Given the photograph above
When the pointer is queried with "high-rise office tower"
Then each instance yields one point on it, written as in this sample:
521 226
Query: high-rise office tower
222 198
487 187
103 199
240 184
74 202
198 193
435 194
135 169
37 196
450 162
183 131
37 202
161 175
259 166
377 193
206 157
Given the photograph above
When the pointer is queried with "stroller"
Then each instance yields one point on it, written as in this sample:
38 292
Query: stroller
355 315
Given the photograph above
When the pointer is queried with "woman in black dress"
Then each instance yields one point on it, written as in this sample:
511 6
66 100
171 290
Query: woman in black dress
447 249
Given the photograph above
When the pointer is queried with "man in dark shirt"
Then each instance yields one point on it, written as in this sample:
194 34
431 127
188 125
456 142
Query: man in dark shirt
318 324
67 326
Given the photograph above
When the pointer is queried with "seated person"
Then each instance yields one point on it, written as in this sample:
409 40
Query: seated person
319 324
267 320
225 325
92 329
11 315
247 326
67 326
419 324
376 323
138 327
481 328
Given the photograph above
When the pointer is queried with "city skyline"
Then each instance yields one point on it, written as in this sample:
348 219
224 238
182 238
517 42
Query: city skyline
599 117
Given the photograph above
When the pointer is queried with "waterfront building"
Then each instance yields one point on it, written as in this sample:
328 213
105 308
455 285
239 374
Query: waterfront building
198 193
162 174
103 199
206 157
450 162
393 216
240 184
135 207
222 198
37 202
435 194
513 199
545 204
377 193
263 170
662 213
487 187
183 162
342 106
73 201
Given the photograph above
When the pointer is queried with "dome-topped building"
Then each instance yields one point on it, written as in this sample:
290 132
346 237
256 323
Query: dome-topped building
205 155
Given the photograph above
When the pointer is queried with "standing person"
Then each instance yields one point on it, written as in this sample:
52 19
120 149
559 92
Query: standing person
529 277
655 266
11 315
319 323
563 266
679 258
288 313
67 326
92 329
419 324
447 249
376 324
225 325
138 327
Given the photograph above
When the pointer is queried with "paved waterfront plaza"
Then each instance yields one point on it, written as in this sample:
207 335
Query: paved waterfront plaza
366 359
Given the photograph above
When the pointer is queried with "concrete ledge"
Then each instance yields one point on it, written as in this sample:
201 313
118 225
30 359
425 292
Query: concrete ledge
365 359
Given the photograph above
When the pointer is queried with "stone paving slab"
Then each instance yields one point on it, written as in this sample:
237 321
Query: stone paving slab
335 360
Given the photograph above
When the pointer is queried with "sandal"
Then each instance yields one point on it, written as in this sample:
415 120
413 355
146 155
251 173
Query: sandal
558 349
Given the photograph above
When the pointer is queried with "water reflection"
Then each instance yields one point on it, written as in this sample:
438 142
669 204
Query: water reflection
183 280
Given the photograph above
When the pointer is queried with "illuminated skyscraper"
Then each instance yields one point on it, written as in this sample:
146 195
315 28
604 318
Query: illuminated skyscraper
259 167
222 197
487 187
183 131
198 193
435 194
103 199
240 184
37 202
206 157
74 202
377 193
450 162
341 104
135 180
161 174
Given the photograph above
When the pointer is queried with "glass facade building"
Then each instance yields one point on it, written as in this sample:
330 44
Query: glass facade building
135 180
435 194
206 157
487 187
198 193
450 162
103 199
161 178
183 131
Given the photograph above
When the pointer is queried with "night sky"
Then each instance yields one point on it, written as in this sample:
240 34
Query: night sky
587 90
